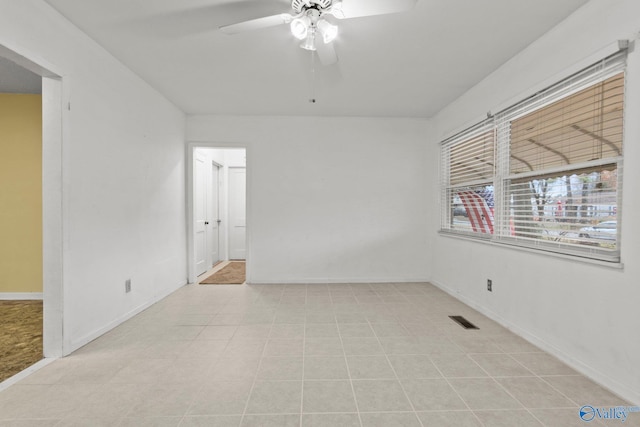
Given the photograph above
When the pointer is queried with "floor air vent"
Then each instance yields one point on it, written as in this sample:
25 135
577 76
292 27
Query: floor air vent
463 322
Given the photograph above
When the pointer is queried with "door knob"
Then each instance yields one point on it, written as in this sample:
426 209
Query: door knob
206 223
219 221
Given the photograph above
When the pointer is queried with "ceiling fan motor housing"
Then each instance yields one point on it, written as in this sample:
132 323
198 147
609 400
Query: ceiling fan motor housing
301 5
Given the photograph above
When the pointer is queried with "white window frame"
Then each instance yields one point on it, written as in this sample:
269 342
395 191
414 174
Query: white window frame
466 183
502 234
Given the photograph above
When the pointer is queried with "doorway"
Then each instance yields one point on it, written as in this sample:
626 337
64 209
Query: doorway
51 198
217 207
207 210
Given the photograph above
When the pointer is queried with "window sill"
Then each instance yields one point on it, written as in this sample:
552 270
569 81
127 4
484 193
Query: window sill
538 251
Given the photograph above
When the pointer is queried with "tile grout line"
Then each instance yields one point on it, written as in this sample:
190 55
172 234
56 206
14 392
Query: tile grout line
454 389
404 391
202 385
556 389
400 382
534 375
518 400
386 356
545 382
255 378
346 362
507 391
304 341
194 394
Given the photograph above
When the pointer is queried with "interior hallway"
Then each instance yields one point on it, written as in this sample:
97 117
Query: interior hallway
310 355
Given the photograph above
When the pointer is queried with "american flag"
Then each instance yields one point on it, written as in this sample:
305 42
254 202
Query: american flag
487 195
479 206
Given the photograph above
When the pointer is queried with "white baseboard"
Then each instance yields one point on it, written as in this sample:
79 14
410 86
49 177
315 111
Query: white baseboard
76 344
315 280
20 296
25 373
604 380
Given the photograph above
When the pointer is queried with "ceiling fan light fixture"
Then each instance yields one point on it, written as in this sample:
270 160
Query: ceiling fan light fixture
328 30
309 42
300 27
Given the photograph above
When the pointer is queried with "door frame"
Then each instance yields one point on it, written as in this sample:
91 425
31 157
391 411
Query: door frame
203 194
55 131
210 198
229 216
190 179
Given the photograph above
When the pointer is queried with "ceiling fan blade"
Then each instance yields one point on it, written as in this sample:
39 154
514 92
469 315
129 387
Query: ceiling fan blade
257 24
358 8
326 53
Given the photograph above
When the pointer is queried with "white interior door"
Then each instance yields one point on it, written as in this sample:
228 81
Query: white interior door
200 211
214 216
237 213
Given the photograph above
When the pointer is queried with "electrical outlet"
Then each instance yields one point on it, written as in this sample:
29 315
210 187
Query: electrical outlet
489 285
127 286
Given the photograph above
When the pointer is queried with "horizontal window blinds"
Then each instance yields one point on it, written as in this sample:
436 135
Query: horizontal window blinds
547 172
472 159
580 128
467 178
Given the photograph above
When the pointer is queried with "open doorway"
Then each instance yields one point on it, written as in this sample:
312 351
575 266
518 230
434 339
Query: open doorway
32 144
20 219
217 209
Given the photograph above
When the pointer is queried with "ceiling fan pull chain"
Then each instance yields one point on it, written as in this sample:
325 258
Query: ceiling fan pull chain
313 78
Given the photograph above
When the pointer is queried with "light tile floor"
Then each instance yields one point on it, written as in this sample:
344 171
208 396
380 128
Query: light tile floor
305 355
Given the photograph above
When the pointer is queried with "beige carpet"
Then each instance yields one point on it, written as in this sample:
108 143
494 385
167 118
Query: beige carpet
232 274
20 336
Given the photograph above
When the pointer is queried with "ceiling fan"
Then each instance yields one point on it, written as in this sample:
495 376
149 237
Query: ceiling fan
311 21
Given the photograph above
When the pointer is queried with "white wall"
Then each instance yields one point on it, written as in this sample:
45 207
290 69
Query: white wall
123 175
585 313
330 199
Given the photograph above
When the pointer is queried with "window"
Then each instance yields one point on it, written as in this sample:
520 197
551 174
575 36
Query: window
470 171
545 173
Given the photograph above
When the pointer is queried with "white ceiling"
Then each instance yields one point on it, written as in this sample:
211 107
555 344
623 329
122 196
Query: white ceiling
404 65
